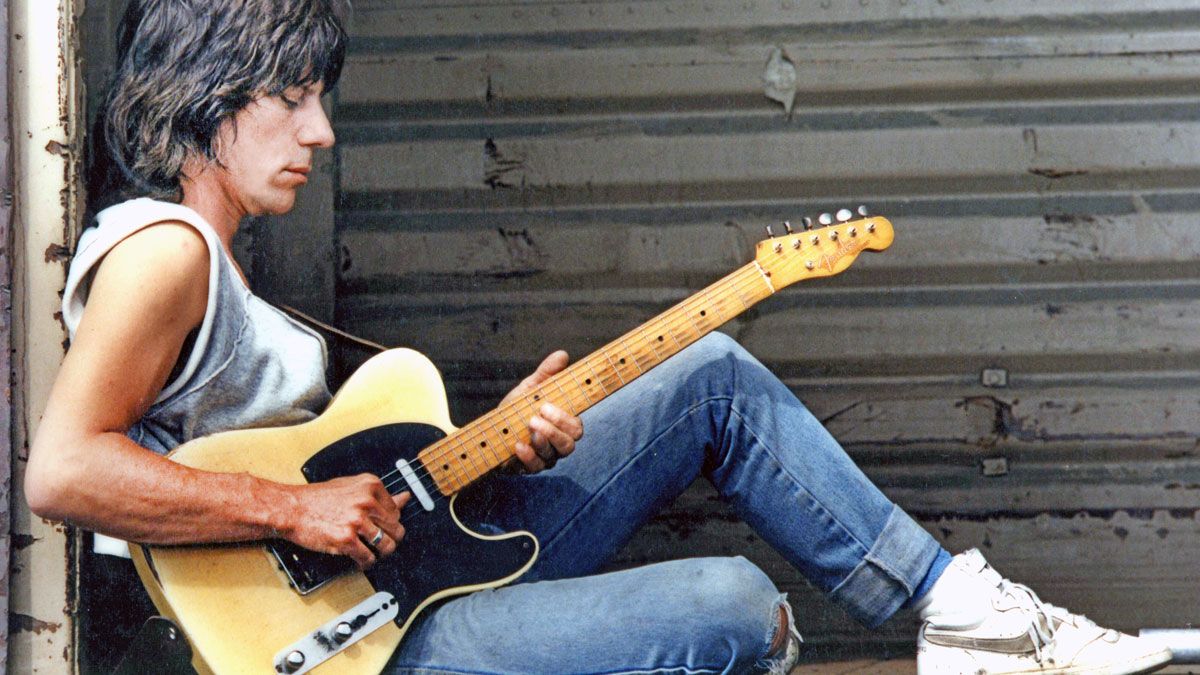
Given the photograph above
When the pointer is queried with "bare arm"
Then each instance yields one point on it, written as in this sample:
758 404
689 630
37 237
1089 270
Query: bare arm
148 294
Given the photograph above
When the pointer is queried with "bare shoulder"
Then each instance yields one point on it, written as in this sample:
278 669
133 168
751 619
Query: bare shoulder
160 268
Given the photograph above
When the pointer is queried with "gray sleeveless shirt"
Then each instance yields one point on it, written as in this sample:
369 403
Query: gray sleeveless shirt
251 365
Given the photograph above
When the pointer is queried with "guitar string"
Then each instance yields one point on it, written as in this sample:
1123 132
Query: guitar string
672 325
670 319
734 287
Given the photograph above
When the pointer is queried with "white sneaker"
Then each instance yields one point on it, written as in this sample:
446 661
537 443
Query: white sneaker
1022 634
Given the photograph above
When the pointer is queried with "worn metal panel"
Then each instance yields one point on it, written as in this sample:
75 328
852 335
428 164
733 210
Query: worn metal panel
1018 370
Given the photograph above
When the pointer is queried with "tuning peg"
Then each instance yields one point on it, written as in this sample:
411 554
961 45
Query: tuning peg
808 223
825 219
843 215
770 234
787 225
862 211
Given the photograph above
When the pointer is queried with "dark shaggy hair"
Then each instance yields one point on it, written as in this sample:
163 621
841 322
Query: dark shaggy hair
186 66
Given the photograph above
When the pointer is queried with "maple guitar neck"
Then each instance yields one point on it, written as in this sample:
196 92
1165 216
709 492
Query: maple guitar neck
488 442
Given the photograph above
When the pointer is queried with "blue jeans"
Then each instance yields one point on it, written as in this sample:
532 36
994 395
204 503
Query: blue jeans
712 410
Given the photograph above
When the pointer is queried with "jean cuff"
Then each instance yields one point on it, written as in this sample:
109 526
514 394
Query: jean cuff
890 572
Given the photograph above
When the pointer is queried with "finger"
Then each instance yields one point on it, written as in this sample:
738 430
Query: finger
389 526
381 504
361 554
562 419
559 442
383 547
529 457
552 364
401 500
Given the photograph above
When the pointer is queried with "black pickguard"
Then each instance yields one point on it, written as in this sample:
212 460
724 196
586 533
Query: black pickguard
435 554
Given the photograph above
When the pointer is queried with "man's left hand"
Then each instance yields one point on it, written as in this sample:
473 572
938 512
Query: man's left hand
552 430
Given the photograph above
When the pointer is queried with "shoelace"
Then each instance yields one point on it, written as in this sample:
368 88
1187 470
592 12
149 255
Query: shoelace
1042 631
1041 626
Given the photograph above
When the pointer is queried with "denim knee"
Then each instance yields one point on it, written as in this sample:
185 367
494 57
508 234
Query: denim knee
737 606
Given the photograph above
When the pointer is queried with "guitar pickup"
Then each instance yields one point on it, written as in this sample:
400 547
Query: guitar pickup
335 636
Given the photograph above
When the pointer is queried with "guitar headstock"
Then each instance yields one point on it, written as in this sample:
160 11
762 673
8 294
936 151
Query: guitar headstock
810 253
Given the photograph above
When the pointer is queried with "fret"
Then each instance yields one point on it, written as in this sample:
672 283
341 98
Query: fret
586 396
699 333
596 375
653 342
708 303
632 354
487 443
672 334
640 353
614 366
565 395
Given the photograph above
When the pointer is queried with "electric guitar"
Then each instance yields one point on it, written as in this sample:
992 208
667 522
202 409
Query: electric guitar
259 607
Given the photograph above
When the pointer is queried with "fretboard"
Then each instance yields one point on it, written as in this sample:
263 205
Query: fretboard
488 442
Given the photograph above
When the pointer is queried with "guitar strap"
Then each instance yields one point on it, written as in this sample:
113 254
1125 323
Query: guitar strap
319 325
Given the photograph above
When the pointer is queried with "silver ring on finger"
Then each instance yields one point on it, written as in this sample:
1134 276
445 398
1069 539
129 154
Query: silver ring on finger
377 538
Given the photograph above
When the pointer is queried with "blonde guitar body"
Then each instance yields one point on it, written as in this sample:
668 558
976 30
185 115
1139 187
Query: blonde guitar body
234 603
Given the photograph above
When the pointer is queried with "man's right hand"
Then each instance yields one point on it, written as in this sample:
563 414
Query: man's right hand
344 515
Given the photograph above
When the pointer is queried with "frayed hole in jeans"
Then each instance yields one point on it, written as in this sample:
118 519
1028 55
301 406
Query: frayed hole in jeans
785 644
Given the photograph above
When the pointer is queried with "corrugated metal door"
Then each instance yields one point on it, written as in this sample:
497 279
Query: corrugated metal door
1019 369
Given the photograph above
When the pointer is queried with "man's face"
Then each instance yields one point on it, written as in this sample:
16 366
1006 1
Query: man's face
269 155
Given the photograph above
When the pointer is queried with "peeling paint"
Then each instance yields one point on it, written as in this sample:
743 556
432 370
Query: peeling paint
57 253
779 79
20 541
20 623
56 148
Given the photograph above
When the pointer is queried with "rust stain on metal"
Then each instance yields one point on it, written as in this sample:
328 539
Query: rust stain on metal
24 623
56 148
57 253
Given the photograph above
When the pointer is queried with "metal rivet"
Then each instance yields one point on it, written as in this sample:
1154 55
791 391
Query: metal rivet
796 244
833 235
993 377
854 232
810 264
295 660
816 239
778 248
871 227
